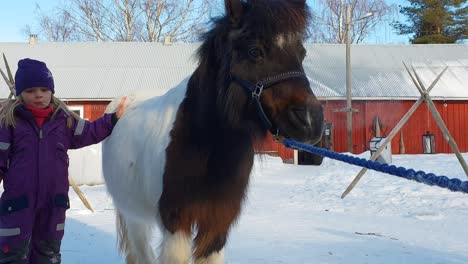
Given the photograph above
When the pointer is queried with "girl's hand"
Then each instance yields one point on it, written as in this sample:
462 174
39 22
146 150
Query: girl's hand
121 108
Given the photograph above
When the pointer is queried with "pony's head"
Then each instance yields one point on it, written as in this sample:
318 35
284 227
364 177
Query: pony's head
254 54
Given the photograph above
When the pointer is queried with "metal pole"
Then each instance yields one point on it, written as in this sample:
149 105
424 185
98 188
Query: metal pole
349 113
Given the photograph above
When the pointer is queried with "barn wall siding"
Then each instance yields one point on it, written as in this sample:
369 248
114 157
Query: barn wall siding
454 114
92 109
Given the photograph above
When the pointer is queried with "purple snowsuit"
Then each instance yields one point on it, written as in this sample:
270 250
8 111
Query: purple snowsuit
34 167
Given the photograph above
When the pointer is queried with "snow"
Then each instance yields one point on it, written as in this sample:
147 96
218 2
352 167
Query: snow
294 214
85 166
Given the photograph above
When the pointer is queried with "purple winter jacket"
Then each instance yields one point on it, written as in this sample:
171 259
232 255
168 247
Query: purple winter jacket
34 161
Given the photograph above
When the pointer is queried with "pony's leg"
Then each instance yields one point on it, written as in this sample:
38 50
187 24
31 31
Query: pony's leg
175 248
135 241
209 247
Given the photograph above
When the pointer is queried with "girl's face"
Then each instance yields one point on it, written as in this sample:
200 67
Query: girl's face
38 97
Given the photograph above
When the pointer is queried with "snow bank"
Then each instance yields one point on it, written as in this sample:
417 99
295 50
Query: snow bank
86 165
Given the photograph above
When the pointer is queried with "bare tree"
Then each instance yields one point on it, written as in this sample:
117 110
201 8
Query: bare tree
128 12
182 20
329 19
127 20
56 26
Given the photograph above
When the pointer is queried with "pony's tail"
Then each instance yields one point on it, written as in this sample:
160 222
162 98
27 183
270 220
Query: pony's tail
133 239
123 242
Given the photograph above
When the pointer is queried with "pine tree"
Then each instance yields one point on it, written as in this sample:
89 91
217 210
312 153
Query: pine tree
434 21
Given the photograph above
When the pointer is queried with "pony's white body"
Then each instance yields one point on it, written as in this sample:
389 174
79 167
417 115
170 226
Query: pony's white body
133 166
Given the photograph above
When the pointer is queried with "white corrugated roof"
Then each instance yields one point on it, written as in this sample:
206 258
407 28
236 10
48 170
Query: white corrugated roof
377 71
93 70
103 70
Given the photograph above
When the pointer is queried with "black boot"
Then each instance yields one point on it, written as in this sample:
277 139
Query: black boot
48 251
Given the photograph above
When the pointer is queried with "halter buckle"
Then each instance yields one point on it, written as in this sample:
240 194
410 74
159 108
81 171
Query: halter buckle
258 90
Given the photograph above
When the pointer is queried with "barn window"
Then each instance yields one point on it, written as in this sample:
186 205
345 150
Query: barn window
78 109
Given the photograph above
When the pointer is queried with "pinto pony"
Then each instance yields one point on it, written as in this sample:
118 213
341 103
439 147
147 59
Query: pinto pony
182 161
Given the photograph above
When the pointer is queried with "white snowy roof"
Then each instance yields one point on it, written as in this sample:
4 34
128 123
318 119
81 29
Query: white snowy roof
104 70
378 72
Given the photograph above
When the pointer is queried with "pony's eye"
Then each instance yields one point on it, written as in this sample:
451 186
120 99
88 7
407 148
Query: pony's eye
255 53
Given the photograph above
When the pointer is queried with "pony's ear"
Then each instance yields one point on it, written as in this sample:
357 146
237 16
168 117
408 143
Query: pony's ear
234 10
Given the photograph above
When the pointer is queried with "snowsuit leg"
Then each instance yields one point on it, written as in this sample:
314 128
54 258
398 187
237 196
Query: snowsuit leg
15 229
48 232
18 254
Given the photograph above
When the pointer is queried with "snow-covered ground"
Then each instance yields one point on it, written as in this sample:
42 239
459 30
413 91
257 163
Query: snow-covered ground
294 214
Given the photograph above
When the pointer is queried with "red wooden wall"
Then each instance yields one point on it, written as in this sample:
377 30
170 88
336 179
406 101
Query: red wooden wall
454 114
92 109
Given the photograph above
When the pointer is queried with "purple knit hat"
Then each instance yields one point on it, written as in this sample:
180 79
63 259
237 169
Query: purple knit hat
33 73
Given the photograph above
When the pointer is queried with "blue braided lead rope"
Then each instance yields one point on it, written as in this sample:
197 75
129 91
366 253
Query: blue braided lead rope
455 185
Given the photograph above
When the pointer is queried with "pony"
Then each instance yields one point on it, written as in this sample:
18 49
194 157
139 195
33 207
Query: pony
181 161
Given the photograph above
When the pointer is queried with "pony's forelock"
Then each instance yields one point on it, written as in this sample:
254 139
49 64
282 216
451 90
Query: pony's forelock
271 17
277 17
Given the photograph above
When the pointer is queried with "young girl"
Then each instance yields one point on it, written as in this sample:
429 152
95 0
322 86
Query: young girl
36 130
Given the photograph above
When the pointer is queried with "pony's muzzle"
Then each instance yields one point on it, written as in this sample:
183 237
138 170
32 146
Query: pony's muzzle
307 121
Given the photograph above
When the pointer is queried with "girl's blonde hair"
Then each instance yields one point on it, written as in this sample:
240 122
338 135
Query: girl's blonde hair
7 111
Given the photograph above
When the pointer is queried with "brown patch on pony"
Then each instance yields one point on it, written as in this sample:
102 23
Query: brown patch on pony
213 221
205 182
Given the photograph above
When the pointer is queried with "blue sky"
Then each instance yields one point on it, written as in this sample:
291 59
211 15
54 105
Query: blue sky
16 14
